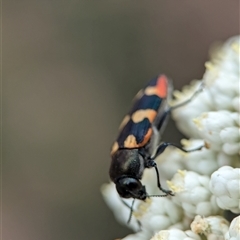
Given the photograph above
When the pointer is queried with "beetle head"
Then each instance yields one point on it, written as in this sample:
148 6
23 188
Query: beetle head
129 187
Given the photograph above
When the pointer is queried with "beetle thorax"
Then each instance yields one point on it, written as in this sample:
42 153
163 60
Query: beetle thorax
126 162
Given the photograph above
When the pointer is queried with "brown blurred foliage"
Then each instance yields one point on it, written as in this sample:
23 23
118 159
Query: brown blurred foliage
70 69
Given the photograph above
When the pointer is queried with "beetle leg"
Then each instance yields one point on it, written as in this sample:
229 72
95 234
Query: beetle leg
188 100
164 145
151 163
166 113
160 124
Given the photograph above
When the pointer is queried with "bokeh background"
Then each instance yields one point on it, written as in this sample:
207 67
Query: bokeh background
70 70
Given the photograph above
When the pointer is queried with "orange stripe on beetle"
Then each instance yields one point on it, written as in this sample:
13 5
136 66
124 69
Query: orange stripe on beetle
161 88
115 147
146 138
139 115
130 142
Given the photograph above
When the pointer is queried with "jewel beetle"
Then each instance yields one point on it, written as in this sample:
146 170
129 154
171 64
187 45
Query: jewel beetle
136 146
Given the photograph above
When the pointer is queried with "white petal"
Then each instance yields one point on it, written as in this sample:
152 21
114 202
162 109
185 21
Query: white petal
234 230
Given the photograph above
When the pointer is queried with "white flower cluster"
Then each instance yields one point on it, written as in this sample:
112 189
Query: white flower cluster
213 227
225 185
193 194
207 182
234 230
175 234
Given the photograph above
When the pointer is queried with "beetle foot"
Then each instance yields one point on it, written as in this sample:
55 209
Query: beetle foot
168 192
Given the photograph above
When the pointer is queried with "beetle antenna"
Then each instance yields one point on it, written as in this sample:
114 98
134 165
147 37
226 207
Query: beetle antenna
130 207
131 211
164 195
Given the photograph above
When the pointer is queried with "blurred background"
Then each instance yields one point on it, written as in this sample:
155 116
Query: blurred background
70 70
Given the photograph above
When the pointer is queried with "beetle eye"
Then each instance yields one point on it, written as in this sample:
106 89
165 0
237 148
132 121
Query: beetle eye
133 184
131 188
130 183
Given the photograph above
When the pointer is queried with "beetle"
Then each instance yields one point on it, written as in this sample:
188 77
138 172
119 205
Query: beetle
136 146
